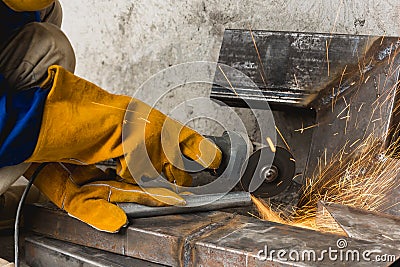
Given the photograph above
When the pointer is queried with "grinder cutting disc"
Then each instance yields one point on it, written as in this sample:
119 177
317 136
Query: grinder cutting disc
276 178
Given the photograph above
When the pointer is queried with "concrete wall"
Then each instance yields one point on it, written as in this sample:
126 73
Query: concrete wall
120 43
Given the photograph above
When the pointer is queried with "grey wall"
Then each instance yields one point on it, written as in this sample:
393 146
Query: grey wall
121 43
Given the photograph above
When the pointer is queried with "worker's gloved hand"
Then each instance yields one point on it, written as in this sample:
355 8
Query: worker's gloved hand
86 194
84 124
155 143
27 5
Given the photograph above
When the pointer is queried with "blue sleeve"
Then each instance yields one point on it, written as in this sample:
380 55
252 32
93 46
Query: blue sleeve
11 21
20 120
20 112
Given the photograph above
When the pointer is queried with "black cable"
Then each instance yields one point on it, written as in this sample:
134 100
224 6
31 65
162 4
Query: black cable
18 215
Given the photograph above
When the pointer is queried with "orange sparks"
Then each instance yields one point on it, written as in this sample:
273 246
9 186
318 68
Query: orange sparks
283 138
362 179
271 144
230 84
327 56
302 129
262 72
123 109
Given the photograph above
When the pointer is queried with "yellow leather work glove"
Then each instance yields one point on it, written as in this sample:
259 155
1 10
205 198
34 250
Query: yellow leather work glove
83 124
27 5
86 194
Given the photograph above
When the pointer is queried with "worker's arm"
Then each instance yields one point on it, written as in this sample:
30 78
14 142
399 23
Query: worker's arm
84 124
28 5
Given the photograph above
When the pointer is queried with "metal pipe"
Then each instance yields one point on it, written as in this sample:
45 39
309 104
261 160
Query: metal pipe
194 203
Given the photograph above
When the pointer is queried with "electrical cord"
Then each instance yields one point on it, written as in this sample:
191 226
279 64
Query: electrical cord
18 215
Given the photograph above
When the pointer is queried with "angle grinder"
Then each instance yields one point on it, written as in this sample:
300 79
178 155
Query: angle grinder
257 175
243 171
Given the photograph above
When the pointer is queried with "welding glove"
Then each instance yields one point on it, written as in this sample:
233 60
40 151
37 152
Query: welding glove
87 193
27 5
83 124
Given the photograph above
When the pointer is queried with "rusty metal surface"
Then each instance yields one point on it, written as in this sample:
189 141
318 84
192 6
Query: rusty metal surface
201 239
364 108
366 225
292 66
47 219
326 222
161 240
43 252
238 243
164 240
293 70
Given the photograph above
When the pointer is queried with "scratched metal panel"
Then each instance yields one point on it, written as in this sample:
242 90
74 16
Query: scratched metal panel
163 240
249 242
291 66
42 251
365 106
199 239
364 224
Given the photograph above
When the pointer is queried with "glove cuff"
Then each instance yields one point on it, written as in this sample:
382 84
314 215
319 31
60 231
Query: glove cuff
28 5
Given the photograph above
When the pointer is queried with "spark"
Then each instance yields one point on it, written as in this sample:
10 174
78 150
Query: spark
340 84
345 117
297 175
143 119
262 72
341 77
347 120
283 138
341 112
390 53
296 81
333 99
383 37
359 109
362 179
327 56
302 129
377 86
108 106
355 142
328 43
123 109
335 22
390 73
344 99
271 144
370 119
230 84
388 237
